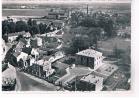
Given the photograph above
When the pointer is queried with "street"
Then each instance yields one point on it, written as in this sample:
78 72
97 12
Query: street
25 83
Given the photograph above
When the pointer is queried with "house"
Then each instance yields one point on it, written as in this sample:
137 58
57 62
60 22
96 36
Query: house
33 43
32 61
23 56
18 56
35 52
21 44
13 36
105 70
60 14
13 59
59 34
52 34
39 41
90 58
27 35
36 70
91 82
46 66
28 42
59 24
58 55
56 33
27 50
41 68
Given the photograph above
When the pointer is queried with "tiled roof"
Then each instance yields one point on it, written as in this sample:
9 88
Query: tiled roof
23 41
16 54
89 53
27 50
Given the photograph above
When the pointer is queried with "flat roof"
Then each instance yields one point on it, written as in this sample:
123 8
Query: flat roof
89 53
92 78
106 69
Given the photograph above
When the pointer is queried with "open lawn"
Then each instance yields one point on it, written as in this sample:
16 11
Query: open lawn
111 43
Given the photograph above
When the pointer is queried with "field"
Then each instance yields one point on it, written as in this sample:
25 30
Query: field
24 12
109 44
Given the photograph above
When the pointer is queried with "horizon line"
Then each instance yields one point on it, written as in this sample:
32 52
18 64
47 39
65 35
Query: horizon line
62 1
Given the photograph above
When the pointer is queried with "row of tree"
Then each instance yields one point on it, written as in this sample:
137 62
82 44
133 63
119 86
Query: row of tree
31 26
102 20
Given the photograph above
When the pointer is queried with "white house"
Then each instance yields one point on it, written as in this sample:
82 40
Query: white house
39 41
35 53
90 58
23 56
27 35
32 61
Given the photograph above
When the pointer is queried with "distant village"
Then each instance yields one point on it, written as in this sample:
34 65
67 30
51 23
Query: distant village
36 46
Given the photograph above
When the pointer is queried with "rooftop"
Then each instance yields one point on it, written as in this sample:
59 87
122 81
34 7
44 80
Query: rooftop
89 53
23 40
92 79
16 54
107 69
42 62
27 50
16 33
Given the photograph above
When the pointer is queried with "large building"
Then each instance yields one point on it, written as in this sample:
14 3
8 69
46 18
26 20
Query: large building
89 58
91 82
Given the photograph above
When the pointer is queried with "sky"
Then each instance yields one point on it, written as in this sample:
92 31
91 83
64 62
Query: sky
65 1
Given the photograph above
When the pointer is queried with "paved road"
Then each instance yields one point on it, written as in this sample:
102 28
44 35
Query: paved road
25 83
74 72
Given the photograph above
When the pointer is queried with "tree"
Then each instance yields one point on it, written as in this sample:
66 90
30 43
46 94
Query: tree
5 30
35 30
5 38
29 22
76 17
80 43
88 22
19 37
42 28
11 26
21 26
34 22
